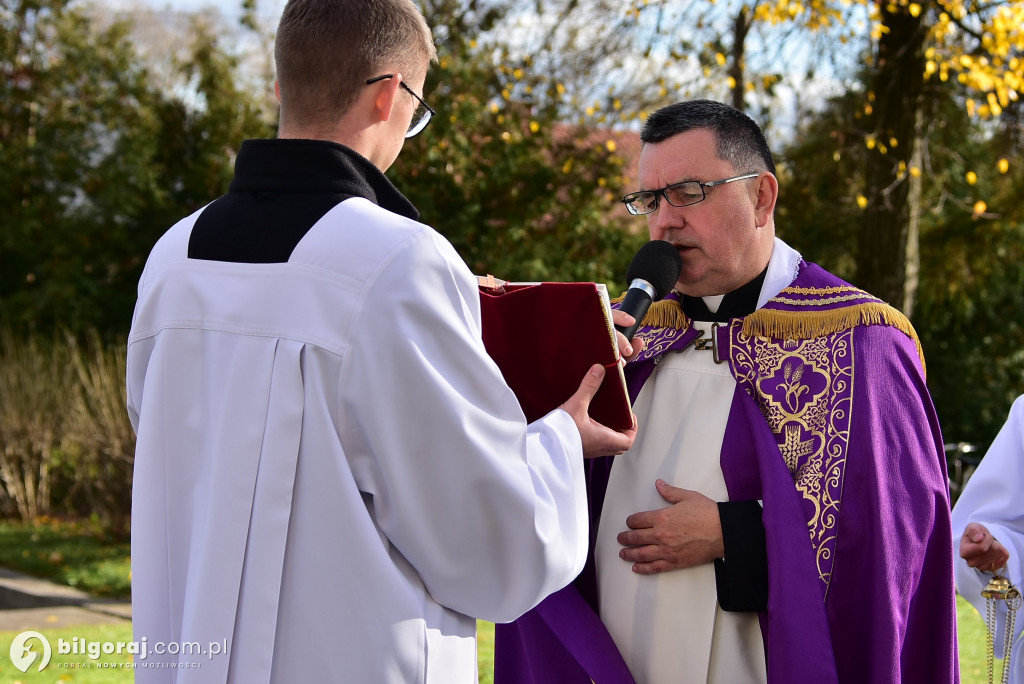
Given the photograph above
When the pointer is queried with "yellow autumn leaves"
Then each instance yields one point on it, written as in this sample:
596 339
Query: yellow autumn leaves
985 59
971 178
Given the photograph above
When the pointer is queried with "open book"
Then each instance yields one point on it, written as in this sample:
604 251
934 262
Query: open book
546 336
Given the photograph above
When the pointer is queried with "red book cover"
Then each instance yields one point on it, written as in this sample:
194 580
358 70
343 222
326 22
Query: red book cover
546 336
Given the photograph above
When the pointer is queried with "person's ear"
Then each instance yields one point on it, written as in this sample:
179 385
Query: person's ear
384 97
767 193
277 91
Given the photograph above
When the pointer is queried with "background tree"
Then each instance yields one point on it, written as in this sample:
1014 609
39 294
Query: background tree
521 193
972 277
73 139
96 163
970 299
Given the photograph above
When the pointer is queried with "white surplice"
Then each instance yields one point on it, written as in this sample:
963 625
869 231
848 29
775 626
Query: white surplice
994 497
331 476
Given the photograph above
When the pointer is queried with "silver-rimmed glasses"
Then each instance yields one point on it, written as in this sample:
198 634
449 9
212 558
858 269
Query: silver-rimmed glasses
678 194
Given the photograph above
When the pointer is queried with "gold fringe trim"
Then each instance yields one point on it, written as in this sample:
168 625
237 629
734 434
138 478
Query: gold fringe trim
801 325
666 313
796 325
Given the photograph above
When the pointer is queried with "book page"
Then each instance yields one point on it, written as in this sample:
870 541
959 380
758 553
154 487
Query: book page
602 290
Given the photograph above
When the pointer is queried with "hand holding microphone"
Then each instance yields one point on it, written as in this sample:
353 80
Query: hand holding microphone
651 274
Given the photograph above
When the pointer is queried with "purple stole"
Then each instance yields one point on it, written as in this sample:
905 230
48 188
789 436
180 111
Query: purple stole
830 415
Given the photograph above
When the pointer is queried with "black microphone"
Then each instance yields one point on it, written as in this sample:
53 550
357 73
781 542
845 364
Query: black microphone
651 274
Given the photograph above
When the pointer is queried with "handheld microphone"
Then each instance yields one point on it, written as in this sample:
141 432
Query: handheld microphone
651 274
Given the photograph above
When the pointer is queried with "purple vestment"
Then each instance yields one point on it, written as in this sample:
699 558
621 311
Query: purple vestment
833 429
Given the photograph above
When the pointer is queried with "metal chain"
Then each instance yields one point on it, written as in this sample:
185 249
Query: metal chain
990 623
1013 603
1000 589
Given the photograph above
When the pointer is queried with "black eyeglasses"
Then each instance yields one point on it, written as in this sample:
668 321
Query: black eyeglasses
678 194
421 117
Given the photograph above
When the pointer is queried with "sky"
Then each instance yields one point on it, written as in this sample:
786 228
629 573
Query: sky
268 10
162 31
174 13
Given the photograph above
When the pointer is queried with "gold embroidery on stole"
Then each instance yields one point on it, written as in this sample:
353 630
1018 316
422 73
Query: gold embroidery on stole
805 390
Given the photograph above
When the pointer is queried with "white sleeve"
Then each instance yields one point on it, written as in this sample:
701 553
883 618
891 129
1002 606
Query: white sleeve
490 513
993 498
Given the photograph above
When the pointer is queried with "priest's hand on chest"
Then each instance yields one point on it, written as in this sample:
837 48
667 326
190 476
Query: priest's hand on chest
685 533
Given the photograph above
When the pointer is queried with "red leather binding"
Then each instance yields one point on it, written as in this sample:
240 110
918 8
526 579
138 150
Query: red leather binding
544 338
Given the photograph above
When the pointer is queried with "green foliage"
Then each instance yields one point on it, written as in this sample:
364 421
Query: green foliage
819 180
69 95
95 163
200 137
971 304
971 631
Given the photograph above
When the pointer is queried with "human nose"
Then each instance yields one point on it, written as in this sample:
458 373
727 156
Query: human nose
662 221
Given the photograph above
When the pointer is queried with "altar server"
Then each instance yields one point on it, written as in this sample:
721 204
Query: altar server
332 480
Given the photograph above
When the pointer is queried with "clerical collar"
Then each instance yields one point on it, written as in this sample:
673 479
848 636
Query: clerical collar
739 302
290 165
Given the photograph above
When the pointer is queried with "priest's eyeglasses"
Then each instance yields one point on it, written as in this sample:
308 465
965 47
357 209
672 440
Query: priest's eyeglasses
678 194
421 117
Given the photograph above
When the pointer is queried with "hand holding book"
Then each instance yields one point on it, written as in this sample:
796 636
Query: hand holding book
598 440
546 336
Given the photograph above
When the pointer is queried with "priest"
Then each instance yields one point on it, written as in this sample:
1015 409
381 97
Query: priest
783 515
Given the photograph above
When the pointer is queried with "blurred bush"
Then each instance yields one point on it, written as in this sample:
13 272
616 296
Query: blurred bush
66 445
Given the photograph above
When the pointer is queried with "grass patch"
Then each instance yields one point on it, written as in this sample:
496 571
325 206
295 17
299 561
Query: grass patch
972 635
76 553
971 643
485 651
